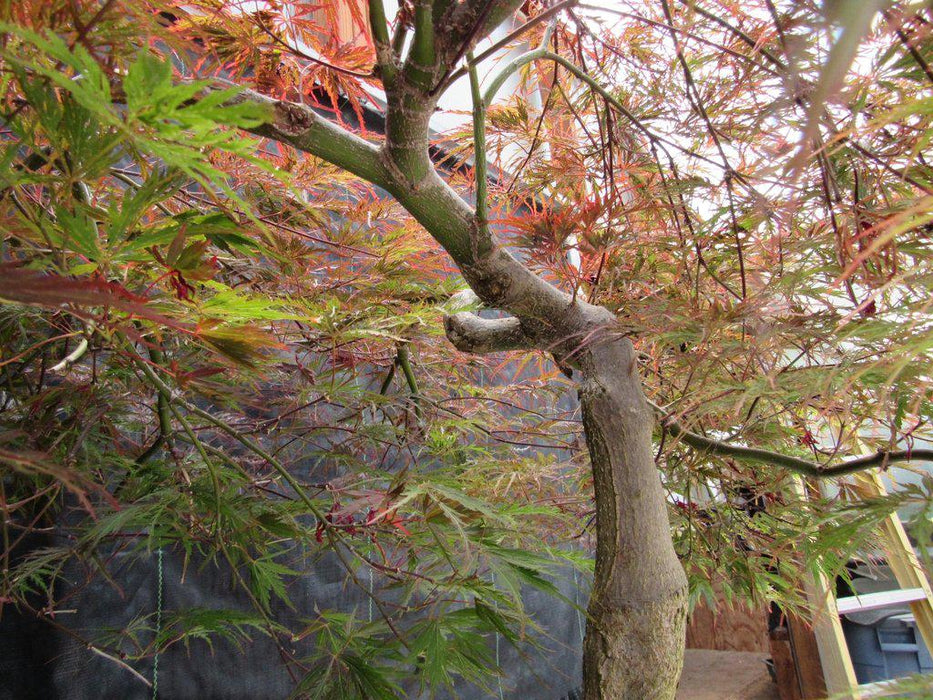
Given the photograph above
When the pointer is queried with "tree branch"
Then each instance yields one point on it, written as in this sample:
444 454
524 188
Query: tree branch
474 334
479 148
404 169
163 410
543 54
380 29
71 358
422 57
795 464
398 38
404 361
299 126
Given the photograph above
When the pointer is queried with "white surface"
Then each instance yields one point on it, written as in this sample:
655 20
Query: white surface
882 599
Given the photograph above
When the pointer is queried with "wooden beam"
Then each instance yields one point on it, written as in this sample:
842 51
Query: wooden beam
881 599
785 670
806 655
831 642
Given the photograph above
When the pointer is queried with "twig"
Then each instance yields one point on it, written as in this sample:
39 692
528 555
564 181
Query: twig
71 357
404 362
120 663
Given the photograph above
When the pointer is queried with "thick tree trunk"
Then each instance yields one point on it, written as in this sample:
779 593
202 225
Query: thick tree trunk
637 613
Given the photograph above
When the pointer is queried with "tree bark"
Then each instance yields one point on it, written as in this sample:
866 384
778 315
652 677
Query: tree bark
635 632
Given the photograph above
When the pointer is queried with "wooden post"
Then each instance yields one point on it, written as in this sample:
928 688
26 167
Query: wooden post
807 663
831 642
785 670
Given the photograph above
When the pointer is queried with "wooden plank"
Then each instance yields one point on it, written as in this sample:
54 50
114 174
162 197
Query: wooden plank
831 643
881 599
807 663
735 628
347 29
784 669
902 560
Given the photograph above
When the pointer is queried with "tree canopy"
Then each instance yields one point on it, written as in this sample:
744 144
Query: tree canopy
218 344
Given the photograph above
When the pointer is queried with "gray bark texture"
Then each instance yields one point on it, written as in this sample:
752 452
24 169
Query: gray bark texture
636 623
637 614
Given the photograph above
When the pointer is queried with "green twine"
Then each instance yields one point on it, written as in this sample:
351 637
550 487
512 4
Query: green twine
155 658
370 594
499 679
492 580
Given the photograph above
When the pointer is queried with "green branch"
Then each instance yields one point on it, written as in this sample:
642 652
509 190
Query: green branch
71 358
422 58
390 375
299 126
163 411
404 361
398 39
404 169
479 148
380 29
544 54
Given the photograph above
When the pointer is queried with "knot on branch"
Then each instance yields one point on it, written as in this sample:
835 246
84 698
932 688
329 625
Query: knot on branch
292 119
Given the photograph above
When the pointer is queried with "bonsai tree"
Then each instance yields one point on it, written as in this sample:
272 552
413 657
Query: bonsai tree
758 228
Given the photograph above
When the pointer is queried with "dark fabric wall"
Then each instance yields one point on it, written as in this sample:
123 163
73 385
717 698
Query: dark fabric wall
39 662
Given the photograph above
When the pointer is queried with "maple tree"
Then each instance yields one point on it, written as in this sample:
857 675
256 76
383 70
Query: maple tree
194 315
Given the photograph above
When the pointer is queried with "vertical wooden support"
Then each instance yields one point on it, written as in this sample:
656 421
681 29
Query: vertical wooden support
834 652
902 559
807 663
785 670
